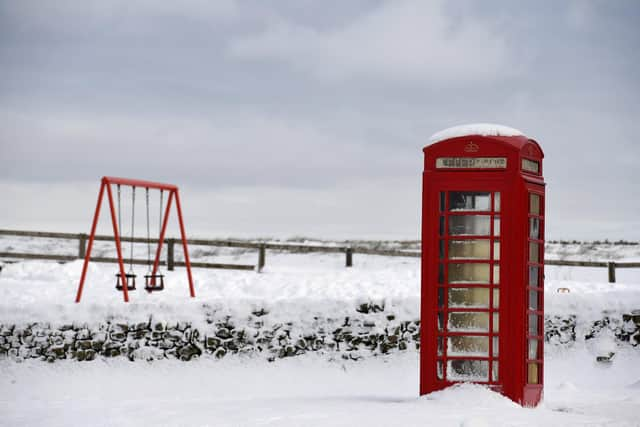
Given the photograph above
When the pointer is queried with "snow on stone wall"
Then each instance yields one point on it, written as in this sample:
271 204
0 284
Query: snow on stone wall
364 331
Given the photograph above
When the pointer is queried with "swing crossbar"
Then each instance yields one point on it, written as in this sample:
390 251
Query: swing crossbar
139 183
106 183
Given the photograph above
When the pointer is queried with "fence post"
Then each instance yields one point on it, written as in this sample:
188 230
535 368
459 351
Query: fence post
612 272
349 261
170 261
82 246
261 257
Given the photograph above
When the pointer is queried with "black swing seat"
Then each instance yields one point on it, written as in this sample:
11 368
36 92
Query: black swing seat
150 279
131 281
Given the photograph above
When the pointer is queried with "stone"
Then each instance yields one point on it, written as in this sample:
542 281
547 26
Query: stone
223 333
138 334
84 345
58 352
259 312
231 346
141 326
83 334
189 351
166 345
99 337
212 342
118 336
363 308
155 335
174 334
121 327
112 352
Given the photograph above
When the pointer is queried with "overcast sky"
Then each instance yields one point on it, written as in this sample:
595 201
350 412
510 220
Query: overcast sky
307 117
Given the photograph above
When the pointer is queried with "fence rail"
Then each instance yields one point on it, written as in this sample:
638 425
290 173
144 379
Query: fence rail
261 247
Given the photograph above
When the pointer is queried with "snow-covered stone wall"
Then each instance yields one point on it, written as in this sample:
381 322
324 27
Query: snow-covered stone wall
367 330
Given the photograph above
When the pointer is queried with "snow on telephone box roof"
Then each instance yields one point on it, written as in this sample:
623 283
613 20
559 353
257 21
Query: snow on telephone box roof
483 129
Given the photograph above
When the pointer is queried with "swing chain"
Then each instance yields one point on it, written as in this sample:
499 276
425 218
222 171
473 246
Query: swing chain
148 233
160 220
119 221
133 210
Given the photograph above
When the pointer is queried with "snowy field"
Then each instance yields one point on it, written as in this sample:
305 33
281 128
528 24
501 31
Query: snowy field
308 390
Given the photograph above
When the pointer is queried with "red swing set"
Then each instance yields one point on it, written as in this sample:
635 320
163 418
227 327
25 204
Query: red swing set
151 283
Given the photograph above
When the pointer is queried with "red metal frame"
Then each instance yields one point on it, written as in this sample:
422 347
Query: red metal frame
512 281
106 183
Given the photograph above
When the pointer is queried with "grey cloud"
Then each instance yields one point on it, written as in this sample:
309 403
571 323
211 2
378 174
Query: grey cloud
301 101
411 40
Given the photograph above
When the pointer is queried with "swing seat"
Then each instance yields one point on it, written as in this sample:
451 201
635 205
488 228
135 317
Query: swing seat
150 279
131 282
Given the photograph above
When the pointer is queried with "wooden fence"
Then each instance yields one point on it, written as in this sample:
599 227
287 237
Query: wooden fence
260 247
170 243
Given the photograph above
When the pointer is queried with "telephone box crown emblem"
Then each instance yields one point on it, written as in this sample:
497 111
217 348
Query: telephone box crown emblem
471 147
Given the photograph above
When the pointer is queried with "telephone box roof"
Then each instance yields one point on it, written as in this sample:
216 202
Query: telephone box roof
483 129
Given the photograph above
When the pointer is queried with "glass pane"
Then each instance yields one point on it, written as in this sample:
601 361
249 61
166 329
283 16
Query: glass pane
533 324
532 377
468 346
442 200
469 297
473 322
440 320
530 166
469 225
496 202
440 297
494 372
533 349
496 322
534 204
440 346
441 249
534 252
441 273
469 273
534 228
469 249
533 300
496 347
533 276
496 273
468 370
442 226
469 201
440 369
496 226
496 251
496 298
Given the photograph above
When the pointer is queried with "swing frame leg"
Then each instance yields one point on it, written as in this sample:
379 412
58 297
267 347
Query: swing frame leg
173 193
125 292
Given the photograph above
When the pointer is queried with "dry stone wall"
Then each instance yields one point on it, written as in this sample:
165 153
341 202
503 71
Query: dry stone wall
367 330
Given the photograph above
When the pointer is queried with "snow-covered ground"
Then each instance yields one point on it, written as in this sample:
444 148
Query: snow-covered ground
310 389
306 391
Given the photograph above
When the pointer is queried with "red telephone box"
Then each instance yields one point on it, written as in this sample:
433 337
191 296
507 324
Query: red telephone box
482 305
